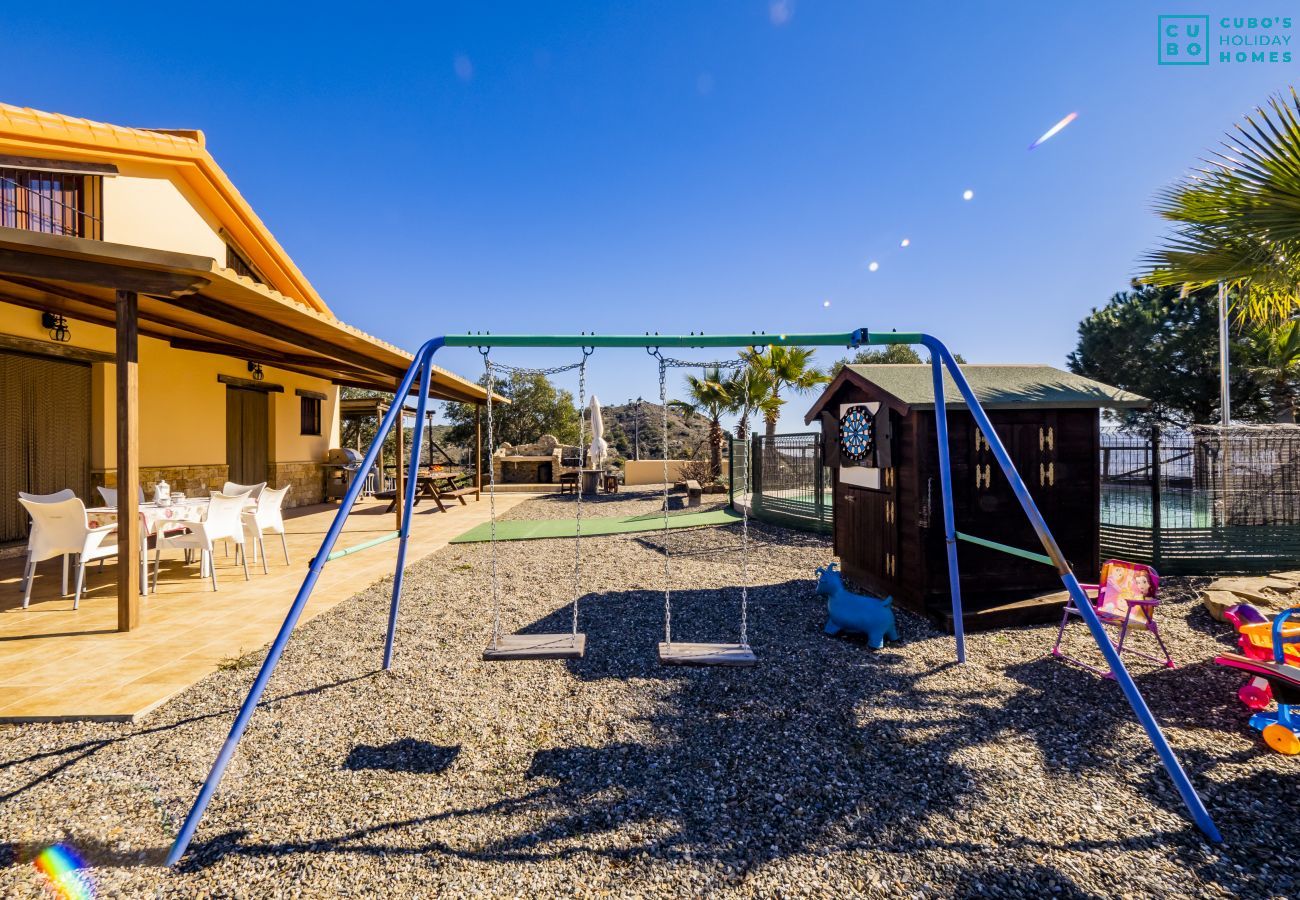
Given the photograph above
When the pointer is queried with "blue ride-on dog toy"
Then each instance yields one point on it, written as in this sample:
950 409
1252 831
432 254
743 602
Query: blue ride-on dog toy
855 613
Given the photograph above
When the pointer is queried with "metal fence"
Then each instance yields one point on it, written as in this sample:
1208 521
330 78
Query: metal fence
1207 500
789 485
1203 501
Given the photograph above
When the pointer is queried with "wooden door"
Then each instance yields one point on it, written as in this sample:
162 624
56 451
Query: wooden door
866 534
247 427
44 433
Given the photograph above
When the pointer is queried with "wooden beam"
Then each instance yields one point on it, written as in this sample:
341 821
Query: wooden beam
53 348
379 386
100 274
270 357
56 293
251 384
215 309
128 461
77 167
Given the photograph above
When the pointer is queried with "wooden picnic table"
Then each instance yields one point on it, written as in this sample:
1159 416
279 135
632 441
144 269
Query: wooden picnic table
436 488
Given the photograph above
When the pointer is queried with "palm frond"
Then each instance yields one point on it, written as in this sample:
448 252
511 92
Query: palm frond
1237 218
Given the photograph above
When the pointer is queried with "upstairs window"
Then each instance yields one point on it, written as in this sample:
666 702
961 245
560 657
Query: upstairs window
51 202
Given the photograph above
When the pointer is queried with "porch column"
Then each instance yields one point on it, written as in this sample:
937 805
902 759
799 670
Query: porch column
478 453
128 461
400 480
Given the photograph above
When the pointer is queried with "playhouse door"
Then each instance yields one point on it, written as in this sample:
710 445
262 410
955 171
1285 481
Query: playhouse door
866 534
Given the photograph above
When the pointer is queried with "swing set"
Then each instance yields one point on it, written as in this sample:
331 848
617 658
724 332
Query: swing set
572 645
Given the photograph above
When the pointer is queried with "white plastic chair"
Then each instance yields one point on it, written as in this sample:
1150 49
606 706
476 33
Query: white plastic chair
61 528
267 515
110 496
230 489
65 494
222 524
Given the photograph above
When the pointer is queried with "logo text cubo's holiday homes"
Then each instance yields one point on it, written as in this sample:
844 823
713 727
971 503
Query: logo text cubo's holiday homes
1196 40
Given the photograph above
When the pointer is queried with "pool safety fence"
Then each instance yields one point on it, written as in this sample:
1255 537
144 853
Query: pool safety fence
1207 500
788 480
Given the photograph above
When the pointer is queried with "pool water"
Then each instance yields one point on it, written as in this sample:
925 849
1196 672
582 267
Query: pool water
1131 506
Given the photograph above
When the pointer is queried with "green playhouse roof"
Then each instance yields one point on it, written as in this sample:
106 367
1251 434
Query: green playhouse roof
1031 386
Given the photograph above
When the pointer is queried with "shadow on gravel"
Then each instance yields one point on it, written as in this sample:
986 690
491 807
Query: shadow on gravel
406 755
83 750
828 746
93 852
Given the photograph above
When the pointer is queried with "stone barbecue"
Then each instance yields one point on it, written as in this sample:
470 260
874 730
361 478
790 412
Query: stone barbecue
541 462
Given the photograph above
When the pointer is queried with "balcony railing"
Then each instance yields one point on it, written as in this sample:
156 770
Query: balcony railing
51 202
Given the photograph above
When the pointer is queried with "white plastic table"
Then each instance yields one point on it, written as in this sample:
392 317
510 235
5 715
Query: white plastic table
154 517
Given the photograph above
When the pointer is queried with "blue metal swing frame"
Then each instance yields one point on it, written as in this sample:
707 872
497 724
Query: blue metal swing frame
940 360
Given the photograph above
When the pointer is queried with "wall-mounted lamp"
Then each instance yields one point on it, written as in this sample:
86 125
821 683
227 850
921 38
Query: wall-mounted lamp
256 369
57 325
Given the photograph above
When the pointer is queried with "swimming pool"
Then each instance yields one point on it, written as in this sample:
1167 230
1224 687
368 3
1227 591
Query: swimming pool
1132 506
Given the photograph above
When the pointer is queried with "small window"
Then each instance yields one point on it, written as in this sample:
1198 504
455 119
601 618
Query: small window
239 263
311 407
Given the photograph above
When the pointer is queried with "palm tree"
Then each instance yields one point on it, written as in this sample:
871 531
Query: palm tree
1278 349
1237 218
751 392
785 368
707 395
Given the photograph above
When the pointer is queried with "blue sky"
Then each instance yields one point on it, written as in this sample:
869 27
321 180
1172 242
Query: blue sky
674 166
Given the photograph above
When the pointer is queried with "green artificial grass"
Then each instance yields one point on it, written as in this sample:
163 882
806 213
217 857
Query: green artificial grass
540 529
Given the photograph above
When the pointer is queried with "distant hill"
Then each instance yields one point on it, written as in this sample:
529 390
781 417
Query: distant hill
621 427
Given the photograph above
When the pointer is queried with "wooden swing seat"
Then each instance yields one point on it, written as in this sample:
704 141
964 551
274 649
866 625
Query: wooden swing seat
684 654
536 646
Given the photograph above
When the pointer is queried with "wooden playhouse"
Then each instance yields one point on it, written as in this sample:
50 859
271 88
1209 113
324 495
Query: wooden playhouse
878 434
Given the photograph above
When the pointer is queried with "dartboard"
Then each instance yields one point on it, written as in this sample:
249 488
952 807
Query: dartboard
857 434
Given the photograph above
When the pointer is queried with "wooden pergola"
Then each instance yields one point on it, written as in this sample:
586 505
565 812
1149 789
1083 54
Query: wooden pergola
193 304
376 407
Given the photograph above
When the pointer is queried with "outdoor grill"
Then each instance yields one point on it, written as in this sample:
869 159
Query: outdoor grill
341 466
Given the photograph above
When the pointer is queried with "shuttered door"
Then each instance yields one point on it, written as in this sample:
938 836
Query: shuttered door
246 435
866 536
44 433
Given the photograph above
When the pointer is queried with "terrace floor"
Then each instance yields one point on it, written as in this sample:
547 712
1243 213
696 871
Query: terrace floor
60 664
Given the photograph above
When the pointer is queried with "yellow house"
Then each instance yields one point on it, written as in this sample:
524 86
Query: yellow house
151 327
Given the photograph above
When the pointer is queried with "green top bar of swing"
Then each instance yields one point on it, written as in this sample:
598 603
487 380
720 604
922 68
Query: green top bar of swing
651 341
1006 548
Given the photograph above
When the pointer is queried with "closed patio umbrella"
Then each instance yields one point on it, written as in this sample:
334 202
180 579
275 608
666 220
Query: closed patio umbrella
599 447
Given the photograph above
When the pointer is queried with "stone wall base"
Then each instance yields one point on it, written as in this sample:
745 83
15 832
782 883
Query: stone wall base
307 479
193 481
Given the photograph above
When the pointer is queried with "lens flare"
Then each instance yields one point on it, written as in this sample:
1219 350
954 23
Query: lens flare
66 871
874 266
905 242
968 194
1054 130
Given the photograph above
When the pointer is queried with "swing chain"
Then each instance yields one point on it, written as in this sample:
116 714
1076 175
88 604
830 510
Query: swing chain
744 554
577 539
668 574
554 370
670 363
492 499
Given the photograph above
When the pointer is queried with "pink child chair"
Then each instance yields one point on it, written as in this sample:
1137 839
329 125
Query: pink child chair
1127 598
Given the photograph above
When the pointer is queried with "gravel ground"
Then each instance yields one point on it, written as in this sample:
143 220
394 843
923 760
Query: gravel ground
828 770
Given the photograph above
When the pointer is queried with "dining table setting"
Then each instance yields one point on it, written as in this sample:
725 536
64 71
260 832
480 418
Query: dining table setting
158 516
